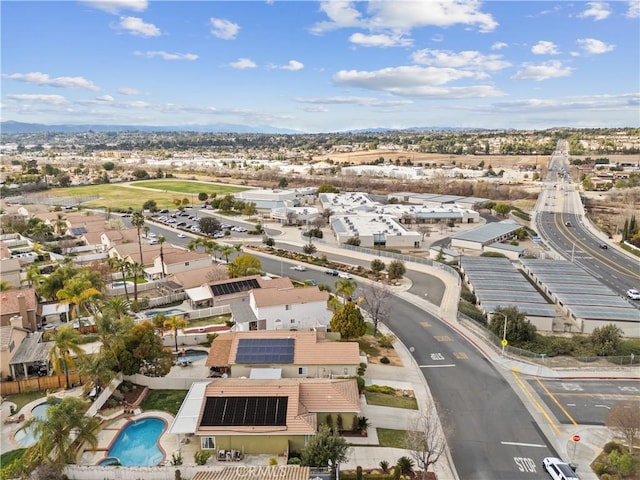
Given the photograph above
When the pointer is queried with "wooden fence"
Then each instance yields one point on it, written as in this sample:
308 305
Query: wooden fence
37 384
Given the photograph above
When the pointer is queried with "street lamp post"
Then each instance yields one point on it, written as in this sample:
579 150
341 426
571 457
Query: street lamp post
504 331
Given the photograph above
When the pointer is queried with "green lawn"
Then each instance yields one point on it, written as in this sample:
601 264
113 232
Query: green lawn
164 400
122 197
184 186
203 322
21 399
384 400
391 438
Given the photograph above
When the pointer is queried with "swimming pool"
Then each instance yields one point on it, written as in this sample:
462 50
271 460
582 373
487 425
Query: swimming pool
122 284
26 436
192 355
169 313
137 443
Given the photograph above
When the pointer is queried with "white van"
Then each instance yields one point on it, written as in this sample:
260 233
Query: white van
559 470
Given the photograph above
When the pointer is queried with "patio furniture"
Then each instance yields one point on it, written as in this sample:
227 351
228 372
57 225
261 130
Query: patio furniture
18 419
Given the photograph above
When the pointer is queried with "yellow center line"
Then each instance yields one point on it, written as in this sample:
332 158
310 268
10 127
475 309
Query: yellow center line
555 400
533 399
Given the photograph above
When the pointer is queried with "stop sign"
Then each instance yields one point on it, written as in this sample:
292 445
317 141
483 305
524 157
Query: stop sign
576 438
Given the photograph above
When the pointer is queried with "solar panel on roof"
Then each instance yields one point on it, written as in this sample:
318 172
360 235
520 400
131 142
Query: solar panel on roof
234 287
244 411
265 350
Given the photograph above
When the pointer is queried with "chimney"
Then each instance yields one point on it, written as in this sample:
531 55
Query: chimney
16 321
22 308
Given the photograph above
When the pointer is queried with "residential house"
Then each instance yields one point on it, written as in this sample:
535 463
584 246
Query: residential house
275 417
283 309
309 354
177 260
22 303
111 238
10 271
226 292
10 339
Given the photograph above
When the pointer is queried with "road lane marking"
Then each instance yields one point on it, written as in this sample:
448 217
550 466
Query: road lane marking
603 406
425 324
460 355
555 400
437 366
443 338
518 444
533 399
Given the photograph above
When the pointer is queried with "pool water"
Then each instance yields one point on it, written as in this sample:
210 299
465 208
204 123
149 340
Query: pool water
169 313
122 284
192 355
26 436
137 443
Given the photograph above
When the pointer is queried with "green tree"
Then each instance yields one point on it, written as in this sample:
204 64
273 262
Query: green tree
150 205
143 348
175 324
396 269
209 225
120 265
327 188
502 209
117 306
77 292
227 250
203 197
405 465
348 321
377 266
606 340
138 221
137 271
325 449
5 285
519 329
283 183
624 419
249 209
244 265
108 166
66 344
161 241
61 432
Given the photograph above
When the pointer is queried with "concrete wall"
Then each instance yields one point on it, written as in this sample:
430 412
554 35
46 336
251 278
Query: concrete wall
256 444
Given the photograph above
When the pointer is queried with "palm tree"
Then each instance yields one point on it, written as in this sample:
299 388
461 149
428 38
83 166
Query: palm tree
237 247
65 343
161 241
137 220
175 323
195 243
61 432
113 332
60 223
117 306
136 270
345 287
77 292
120 265
227 250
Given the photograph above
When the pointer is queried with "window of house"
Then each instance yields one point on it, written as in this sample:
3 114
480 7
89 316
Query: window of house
287 307
293 320
302 371
208 443
186 264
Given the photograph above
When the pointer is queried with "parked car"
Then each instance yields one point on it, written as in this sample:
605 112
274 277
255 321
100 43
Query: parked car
151 234
633 294
559 470
332 272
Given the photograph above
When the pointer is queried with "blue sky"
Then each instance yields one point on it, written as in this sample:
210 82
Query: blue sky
322 66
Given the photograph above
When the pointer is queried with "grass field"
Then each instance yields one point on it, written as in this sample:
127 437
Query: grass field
123 196
164 400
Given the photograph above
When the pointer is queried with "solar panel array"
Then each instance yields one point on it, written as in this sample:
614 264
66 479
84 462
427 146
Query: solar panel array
497 283
265 350
234 287
244 411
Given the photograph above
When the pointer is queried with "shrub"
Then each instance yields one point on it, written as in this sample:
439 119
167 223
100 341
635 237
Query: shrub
201 457
386 341
384 389
273 461
359 473
293 461
599 468
360 381
176 459
612 445
385 360
384 465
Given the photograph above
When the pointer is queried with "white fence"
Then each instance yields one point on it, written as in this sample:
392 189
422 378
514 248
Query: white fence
95 472
164 383
209 312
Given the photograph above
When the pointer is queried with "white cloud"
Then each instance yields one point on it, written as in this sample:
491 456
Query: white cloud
167 56
351 100
52 99
293 65
593 46
380 40
243 63
129 91
415 81
39 78
543 71
138 27
114 6
582 103
469 59
544 47
499 46
596 10
342 14
634 9
105 98
224 29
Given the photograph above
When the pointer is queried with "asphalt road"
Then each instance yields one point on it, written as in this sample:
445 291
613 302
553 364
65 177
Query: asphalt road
559 203
584 402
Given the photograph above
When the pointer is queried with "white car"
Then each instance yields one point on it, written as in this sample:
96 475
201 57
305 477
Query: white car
299 268
181 235
151 234
633 294
559 470
348 276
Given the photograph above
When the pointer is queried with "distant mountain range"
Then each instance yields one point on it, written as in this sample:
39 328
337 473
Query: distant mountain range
11 127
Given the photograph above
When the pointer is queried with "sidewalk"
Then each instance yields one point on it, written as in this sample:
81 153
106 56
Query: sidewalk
582 453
